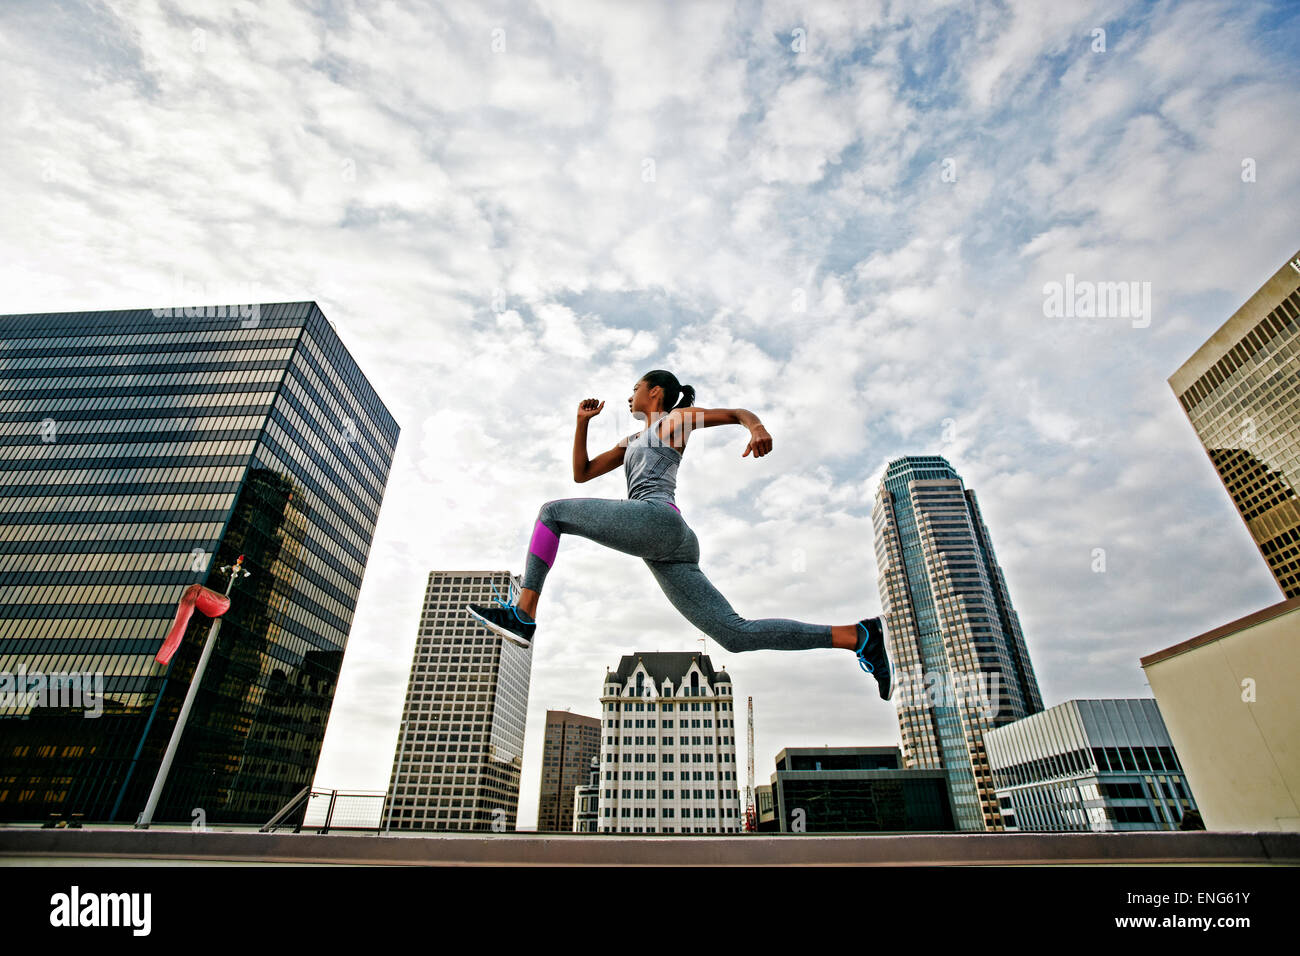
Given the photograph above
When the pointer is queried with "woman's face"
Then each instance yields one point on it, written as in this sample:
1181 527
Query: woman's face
641 401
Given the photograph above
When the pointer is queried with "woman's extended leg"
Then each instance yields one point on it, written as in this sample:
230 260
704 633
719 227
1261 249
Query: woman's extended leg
701 603
644 529
704 606
656 533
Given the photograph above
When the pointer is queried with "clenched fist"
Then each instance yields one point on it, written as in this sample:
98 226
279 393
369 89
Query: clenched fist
589 408
760 442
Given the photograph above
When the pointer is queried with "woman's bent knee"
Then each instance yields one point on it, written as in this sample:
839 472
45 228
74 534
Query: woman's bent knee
733 643
551 511
731 638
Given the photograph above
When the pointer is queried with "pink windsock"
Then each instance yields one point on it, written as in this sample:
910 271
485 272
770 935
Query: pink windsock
212 603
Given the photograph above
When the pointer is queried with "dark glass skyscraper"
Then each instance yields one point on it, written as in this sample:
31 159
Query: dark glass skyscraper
140 453
961 661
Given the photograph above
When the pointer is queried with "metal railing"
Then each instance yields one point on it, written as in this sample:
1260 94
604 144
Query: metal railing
320 810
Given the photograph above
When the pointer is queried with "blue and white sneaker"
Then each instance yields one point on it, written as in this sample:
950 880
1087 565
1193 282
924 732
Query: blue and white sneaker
873 655
507 620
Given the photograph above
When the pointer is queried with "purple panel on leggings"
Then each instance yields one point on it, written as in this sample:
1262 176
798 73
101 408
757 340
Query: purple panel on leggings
674 507
545 543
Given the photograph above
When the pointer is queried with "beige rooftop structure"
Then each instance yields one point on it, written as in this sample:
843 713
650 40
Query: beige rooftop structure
1229 702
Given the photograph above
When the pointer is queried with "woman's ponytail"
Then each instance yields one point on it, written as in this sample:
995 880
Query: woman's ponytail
676 395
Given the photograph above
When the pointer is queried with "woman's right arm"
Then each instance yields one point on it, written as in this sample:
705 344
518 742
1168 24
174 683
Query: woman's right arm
584 470
602 463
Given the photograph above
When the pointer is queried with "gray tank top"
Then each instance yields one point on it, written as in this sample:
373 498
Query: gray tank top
650 465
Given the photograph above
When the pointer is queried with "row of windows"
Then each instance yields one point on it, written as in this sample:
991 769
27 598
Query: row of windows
123 564
643 741
667 723
665 829
185 337
184 370
103 384
631 793
669 775
157 536
86 508
156 453
123 362
668 742
723 757
1282 319
144 427
665 706
226 399
670 812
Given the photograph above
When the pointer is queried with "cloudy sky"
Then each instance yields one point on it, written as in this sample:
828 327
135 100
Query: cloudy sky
840 216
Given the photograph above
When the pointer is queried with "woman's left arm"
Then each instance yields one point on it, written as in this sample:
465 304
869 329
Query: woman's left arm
760 441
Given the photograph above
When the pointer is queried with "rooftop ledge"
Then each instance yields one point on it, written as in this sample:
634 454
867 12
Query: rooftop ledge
20 845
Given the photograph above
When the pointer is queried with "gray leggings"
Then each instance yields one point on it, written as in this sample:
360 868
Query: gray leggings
655 531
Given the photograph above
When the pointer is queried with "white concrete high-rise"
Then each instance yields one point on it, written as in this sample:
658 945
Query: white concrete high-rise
668 747
961 665
461 743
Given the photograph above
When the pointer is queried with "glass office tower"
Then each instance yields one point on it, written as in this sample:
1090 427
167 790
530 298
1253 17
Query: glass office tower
1241 392
1089 765
961 663
140 451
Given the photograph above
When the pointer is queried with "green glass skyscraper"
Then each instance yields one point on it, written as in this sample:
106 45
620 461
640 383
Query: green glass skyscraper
140 451
962 667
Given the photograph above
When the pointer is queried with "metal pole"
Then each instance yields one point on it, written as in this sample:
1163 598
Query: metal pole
329 814
139 747
146 816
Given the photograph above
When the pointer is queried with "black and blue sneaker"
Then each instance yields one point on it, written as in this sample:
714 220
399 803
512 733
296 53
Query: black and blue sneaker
873 656
507 620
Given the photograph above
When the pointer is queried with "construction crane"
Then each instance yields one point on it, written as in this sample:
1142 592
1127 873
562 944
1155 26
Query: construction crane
751 815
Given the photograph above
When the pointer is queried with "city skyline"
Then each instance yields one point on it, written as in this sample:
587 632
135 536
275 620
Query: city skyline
857 221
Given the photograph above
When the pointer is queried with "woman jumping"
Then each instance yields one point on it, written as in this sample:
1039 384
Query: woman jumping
649 525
